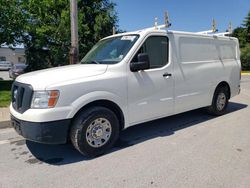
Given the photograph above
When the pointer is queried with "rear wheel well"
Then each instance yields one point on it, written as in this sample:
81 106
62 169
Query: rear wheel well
224 84
107 104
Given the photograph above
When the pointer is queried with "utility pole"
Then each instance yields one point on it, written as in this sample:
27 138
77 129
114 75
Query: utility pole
74 50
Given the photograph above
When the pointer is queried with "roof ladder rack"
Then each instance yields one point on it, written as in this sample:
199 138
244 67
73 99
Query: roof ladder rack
163 26
228 32
213 30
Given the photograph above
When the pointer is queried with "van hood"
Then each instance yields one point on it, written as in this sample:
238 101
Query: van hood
43 78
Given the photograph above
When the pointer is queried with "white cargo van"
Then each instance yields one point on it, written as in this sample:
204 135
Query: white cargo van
124 80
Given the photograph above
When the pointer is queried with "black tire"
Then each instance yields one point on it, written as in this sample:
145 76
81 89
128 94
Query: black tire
80 125
215 108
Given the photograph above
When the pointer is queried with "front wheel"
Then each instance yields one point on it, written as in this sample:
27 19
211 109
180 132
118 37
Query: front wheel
220 101
94 131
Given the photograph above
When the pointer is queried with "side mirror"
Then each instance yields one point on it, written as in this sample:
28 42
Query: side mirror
142 64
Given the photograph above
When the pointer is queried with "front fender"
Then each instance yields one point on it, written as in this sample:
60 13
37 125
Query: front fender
98 95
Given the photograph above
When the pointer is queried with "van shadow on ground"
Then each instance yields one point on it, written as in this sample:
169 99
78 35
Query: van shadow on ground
66 154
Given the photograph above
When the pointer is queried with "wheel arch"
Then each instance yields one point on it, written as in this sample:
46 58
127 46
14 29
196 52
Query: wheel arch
109 105
226 85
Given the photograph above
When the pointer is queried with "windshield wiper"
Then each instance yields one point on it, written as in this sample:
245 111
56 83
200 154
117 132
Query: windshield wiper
95 62
91 62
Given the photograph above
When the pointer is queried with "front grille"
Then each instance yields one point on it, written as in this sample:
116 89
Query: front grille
21 96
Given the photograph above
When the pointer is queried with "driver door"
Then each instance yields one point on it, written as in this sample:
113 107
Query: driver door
150 92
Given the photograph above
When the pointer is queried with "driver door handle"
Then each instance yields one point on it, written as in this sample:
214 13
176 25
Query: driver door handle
166 74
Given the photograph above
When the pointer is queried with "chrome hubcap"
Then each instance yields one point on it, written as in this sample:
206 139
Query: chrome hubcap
98 132
221 101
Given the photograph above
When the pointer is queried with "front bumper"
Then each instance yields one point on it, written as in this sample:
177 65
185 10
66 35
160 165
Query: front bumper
53 132
42 115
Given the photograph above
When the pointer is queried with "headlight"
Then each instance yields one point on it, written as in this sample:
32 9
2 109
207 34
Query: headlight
44 99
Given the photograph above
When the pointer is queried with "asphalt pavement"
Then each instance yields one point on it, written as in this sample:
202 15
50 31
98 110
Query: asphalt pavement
191 149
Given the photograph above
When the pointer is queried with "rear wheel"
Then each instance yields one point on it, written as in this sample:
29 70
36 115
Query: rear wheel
94 131
220 101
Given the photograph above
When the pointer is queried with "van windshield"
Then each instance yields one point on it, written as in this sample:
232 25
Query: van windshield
110 51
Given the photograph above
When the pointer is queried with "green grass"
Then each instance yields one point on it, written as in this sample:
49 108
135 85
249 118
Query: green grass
5 98
5 93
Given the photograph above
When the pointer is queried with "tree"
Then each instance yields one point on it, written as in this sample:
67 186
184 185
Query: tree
246 24
240 33
243 34
12 21
44 28
245 57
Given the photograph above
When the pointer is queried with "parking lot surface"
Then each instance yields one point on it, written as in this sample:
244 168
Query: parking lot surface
4 75
191 149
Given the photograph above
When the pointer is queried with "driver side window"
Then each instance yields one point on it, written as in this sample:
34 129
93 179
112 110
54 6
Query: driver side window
157 49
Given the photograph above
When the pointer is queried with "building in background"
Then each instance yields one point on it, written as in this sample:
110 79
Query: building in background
15 54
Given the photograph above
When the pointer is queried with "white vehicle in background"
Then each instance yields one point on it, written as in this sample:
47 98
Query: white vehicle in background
124 80
5 65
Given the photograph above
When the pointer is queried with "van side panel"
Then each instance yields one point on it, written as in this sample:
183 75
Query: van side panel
195 76
230 57
203 62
